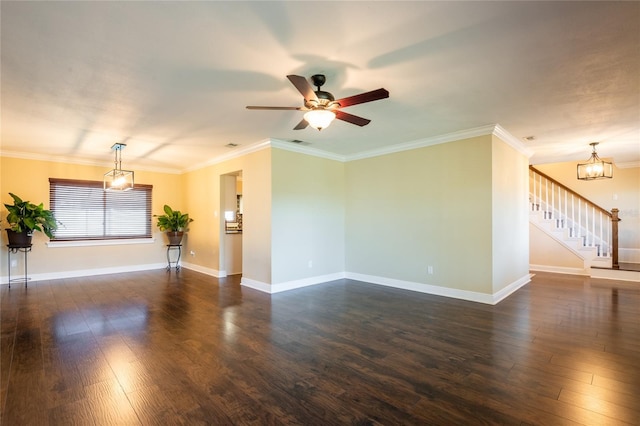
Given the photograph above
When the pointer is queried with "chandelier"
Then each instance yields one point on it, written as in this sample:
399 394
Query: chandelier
595 168
118 179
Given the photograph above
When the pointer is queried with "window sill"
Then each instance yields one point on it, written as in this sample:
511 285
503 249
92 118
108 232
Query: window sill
89 243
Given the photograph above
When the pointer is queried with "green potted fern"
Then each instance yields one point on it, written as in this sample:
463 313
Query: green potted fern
174 223
24 218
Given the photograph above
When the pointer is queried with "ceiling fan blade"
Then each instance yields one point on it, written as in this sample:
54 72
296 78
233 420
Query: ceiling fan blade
353 119
301 125
274 108
303 87
373 95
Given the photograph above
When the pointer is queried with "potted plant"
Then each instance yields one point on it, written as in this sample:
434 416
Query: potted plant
25 217
174 223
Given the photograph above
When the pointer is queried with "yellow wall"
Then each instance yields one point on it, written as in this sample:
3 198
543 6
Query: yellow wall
196 192
202 192
425 207
510 215
308 214
455 207
29 179
552 255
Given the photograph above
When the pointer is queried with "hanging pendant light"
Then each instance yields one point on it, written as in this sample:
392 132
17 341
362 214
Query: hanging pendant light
595 168
118 179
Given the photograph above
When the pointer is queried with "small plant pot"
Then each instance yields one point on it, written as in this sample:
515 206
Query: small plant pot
175 238
19 239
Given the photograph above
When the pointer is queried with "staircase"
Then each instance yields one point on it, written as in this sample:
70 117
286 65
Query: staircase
584 228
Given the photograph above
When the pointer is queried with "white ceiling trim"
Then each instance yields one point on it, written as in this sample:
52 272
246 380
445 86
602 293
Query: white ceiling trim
291 146
492 129
628 165
512 141
495 130
235 153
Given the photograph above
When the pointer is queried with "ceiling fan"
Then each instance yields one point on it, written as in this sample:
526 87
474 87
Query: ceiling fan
321 107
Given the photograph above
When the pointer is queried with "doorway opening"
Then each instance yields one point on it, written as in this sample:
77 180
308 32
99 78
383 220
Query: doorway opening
231 205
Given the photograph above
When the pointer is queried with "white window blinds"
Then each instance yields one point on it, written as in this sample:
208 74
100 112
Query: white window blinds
87 212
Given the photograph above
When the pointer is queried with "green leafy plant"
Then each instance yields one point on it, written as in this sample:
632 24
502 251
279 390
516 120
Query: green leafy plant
26 216
173 220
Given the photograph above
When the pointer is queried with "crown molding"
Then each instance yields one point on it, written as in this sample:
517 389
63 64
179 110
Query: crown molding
80 161
235 153
492 129
512 141
627 165
290 146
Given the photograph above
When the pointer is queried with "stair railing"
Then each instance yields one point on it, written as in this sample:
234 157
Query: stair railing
584 219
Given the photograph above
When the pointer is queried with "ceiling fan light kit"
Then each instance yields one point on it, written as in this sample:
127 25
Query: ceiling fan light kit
321 107
319 118
594 167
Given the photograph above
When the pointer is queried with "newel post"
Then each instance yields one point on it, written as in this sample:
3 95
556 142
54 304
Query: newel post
614 238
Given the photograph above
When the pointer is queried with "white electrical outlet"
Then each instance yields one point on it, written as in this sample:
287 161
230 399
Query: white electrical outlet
192 253
430 269
310 264
14 263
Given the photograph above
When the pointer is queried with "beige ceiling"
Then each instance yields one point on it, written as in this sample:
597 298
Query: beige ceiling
172 79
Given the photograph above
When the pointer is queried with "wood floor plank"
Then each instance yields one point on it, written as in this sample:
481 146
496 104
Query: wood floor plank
153 407
30 409
616 385
598 405
604 394
607 368
154 347
79 412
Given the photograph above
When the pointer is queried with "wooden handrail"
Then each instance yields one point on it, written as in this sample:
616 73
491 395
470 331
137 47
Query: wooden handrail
571 191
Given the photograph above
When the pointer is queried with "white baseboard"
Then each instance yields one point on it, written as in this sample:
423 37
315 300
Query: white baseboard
558 269
608 274
426 288
204 270
290 285
405 285
511 288
616 274
86 272
256 285
305 282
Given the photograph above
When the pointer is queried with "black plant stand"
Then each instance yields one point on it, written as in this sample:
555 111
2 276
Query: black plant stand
14 249
171 247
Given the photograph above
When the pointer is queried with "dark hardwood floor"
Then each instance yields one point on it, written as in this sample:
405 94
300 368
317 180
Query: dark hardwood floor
164 348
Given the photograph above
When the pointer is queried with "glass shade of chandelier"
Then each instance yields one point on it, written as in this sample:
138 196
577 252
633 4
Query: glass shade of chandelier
594 167
319 118
118 179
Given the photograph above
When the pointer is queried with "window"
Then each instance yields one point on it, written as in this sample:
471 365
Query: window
87 212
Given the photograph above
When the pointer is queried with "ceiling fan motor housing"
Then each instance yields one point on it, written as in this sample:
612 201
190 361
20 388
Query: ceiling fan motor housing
324 98
322 95
318 80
